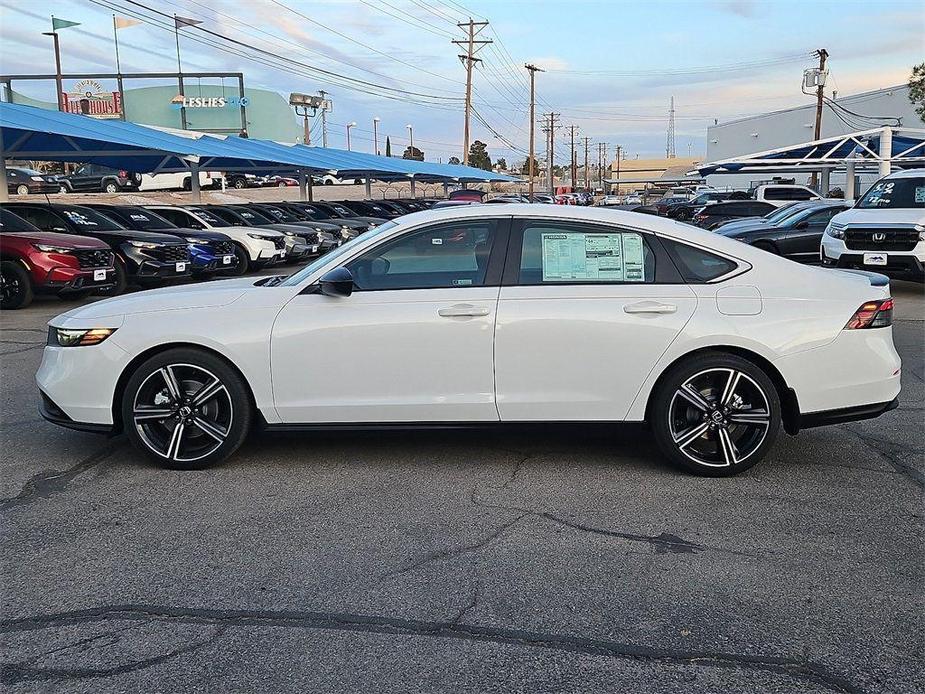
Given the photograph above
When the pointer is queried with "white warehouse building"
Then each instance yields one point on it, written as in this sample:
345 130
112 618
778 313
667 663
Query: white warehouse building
889 106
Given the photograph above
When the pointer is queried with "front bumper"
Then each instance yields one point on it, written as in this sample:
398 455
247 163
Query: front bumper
156 269
206 261
63 279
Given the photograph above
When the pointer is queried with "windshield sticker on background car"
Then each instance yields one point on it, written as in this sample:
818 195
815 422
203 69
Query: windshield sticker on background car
580 256
78 218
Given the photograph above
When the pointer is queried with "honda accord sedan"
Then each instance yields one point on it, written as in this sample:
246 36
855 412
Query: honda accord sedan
488 315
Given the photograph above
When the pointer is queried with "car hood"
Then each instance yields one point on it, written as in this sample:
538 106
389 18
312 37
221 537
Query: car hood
881 217
53 238
743 227
210 234
110 311
374 221
130 235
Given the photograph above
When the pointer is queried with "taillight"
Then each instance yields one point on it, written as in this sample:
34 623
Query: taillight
872 314
123 174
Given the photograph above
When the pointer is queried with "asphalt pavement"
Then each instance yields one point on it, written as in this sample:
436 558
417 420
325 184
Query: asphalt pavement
541 560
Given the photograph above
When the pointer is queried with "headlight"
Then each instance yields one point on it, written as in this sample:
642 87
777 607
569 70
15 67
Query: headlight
46 248
260 237
63 337
37 178
145 245
836 231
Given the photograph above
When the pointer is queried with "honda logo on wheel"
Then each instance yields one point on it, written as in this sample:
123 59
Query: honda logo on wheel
879 237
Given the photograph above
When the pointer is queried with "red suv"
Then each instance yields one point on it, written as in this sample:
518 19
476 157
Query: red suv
39 261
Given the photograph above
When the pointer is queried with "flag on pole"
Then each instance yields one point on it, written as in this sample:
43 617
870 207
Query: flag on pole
181 22
62 24
125 22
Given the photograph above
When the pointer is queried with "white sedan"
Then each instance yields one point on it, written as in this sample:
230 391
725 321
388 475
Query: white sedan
488 315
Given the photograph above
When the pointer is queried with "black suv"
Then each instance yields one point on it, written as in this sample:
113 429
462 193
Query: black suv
371 208
142 257
94 177
336 210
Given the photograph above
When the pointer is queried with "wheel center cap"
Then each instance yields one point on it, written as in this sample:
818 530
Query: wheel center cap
717 417
185 412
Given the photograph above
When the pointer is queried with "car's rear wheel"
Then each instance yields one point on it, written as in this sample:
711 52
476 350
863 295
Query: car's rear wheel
239 183
186 409
22 189
716 414
15 286
111 187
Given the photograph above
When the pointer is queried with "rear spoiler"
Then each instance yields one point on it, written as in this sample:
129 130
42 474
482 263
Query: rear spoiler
875 278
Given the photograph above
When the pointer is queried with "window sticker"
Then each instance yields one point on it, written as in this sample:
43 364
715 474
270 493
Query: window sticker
604 257
920 194
139 217
80 219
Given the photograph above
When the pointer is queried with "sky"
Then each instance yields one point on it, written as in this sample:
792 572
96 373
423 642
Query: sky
610 68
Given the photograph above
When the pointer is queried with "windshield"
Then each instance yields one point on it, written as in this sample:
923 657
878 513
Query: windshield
145 219
10 222
343 211
314 213
85 218
227 216
896 193
299 277
280 215
210 218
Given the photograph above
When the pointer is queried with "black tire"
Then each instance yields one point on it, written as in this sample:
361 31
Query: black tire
239 183
15 286
328 182
111 187
281 185
22 189
213 428
244 261
767 246
121 280
725 447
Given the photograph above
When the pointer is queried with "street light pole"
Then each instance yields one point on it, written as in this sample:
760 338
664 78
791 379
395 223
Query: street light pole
59 81
376 135
349 125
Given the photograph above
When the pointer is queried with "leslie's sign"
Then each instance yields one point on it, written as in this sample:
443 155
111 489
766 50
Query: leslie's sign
88 98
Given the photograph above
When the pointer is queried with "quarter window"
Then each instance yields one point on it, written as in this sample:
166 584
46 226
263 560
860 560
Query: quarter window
697 265
571 254
451 255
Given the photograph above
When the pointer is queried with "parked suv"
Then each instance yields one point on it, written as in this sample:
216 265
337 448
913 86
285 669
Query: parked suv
298 241
253 248
210 251
142 257
94 177
326 237
26 181
34 261
884 231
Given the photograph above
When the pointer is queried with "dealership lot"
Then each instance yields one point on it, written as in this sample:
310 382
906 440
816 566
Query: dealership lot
519 560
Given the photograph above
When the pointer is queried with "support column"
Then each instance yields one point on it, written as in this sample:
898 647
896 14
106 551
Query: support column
412 187
369 187
886 151
850 181
303 195
310 189
4 191
825 176
194 184
446 189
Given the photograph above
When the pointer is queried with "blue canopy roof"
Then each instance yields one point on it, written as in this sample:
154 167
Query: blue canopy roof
28 132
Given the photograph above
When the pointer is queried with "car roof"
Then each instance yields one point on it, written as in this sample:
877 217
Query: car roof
907 173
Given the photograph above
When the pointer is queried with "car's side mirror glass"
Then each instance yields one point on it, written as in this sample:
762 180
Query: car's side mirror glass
337 282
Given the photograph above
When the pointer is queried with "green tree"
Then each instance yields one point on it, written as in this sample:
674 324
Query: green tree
388 146
453 160
413 153
917 89
525 168
478 156
501 164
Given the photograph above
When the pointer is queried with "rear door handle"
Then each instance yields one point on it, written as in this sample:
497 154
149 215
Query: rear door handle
650 307
462 310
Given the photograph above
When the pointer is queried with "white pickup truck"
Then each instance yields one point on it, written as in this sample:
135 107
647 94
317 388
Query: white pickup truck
176 181
779 194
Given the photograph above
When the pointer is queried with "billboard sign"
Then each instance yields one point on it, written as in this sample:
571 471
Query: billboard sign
88 98
199 102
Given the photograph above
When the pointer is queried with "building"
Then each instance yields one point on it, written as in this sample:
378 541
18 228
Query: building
638 174
760 133
211 108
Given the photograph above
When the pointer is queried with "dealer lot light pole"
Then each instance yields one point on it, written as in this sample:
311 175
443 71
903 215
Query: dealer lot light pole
411 142
349 125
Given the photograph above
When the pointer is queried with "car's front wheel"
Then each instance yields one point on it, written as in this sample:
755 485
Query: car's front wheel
15 285
716 414
244 261
187 409
22 189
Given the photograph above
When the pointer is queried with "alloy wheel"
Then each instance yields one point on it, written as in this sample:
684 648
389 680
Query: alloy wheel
182 412
10 287
719 417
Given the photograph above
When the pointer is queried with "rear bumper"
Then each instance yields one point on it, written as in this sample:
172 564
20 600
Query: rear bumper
846 414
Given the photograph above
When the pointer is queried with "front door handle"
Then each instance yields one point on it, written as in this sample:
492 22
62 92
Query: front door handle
462 310
650 307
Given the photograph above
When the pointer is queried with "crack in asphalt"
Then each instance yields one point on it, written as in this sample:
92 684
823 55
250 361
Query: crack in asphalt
50 482
471 605
895 453
664 543
13 673
797 667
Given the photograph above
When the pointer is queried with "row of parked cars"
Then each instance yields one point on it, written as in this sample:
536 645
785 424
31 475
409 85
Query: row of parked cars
75 250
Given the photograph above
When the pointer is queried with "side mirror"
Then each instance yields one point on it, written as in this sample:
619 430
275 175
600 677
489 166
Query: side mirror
337 282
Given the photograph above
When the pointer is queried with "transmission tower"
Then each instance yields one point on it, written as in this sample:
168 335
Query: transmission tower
669 147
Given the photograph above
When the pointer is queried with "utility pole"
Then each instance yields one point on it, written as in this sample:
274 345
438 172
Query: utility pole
619 156
573 163
602 162
472 47
531 160
669 145
324 120
823 55
587 141
550 130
